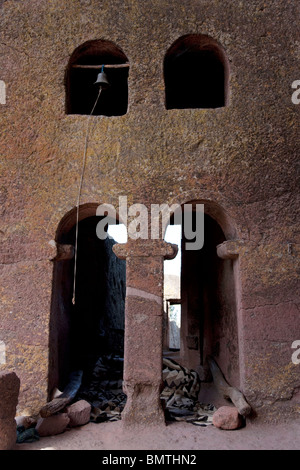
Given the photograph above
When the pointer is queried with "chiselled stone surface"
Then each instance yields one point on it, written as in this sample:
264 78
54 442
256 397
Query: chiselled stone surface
52 425
240 161
143 332
9 394
230 249
79 413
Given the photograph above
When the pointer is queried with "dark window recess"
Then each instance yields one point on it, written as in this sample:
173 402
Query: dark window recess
195 73
84 66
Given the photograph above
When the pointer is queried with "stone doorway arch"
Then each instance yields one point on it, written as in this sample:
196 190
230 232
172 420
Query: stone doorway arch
209 290
94 325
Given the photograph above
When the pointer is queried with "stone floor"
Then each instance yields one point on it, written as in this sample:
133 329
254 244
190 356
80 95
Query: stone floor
175 436
256 435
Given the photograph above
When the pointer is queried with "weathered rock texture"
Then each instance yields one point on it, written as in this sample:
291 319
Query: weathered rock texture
240 160
143 380
52 425
79 413
227 417
9 394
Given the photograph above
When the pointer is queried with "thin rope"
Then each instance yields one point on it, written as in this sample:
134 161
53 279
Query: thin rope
79 193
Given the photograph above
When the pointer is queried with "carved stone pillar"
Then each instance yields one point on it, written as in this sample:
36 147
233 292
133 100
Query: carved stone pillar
142 380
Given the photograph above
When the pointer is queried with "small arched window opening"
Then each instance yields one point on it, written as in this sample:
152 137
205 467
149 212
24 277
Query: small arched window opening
196 73
85 64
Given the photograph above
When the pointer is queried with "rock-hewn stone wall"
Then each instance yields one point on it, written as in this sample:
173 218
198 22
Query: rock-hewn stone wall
242 157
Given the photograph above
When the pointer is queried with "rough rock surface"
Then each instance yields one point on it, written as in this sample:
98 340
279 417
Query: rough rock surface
227 417
79 413
240 160
9 393
52 425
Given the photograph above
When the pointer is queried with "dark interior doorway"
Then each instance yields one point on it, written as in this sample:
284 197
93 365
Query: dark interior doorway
207 297
208 303
94 326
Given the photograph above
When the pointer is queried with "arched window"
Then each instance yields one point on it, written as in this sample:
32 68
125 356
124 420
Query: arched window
85 64
196 73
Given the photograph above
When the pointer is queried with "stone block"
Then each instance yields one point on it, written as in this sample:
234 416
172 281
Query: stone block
52 425
227 417
79 413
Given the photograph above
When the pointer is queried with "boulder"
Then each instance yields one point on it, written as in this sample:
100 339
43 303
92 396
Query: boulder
79 413
52 425
227 417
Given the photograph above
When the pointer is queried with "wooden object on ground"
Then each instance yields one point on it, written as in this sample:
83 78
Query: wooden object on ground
65 398
227 390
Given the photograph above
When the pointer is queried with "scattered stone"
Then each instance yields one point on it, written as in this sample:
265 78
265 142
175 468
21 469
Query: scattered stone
52 425
79 413
227 417
9 396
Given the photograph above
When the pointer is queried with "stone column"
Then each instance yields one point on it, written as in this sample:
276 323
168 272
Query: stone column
143 344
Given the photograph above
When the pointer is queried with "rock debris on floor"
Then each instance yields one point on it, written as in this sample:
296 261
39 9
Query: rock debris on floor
176 436
93 420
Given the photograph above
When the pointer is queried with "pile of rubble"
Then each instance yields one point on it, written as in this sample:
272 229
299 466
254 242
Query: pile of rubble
29 430
97 400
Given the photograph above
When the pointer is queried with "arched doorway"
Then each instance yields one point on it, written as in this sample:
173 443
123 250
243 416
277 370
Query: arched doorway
93 326
207 299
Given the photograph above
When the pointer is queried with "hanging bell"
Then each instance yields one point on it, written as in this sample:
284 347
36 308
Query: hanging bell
102 80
